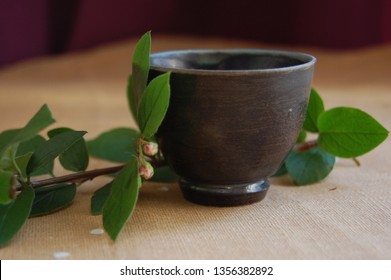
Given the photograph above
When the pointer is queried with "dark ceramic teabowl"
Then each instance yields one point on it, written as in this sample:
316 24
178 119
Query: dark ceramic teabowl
233 117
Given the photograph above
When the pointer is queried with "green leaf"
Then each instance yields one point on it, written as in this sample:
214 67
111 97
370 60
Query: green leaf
25 151
50 199
122 200
42 119
302 136
349 132
7 161
30 145
154 105
99 198
164 174
315 108
6 138
5 186
48 151
23 161
76 157
140 71
309 166
14 215
117 145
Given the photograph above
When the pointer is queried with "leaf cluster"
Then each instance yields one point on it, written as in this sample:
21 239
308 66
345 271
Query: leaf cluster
339 132
148 103
24 154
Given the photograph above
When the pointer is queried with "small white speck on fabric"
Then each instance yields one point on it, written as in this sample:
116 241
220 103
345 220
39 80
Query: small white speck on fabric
61 255
97 231
164 189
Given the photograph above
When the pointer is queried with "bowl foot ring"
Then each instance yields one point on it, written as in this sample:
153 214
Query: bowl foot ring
224 195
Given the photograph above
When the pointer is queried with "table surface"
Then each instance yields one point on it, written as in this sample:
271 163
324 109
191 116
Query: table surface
346 216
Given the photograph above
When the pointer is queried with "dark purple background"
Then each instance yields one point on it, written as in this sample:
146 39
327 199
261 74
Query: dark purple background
31 28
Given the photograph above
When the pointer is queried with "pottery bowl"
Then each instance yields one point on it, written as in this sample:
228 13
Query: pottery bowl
233 117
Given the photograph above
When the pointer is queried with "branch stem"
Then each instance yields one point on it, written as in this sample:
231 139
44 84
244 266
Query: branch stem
306 146
83 176
77 177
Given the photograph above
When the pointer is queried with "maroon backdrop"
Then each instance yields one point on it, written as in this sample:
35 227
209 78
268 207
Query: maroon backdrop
31 28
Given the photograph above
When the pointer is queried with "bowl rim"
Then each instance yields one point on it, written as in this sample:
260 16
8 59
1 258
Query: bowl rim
307 59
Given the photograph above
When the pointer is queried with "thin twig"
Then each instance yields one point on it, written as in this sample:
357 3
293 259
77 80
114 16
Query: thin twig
306 146
83 176
356 161
77 177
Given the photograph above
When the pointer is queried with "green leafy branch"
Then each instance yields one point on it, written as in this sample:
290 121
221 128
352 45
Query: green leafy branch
26 154
341 132
148 104
23 154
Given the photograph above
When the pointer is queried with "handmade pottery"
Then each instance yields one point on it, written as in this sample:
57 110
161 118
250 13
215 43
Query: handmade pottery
233 117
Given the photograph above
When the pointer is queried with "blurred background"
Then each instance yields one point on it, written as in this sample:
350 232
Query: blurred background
30 28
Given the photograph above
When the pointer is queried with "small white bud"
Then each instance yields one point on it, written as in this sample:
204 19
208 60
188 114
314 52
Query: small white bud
150 149
146 170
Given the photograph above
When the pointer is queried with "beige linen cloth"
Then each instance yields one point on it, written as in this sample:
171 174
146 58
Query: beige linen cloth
346 216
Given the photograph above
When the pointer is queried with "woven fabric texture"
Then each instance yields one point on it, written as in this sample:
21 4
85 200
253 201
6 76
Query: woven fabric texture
346 216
